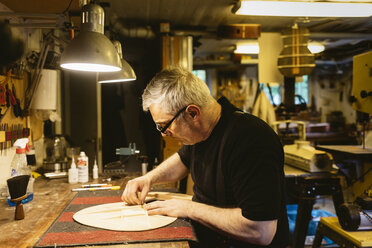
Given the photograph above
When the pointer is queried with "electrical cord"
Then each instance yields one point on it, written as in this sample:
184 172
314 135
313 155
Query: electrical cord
367 215
68 7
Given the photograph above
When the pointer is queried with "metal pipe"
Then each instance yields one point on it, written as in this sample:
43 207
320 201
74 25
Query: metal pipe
29 15
340 36
35 25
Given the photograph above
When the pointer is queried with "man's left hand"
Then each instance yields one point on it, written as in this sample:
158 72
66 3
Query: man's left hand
174 207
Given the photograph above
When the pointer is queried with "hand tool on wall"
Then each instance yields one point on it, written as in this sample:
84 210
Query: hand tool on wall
5 142
3 102
36 77
17 103
25 132
3 114
16 132
12 135
2 138
7 96
13 101
2 95
8 136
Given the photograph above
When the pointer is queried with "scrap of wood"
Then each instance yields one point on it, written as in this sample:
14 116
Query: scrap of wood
169 195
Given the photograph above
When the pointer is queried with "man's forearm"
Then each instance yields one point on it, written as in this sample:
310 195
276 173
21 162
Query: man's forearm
231 222
171 170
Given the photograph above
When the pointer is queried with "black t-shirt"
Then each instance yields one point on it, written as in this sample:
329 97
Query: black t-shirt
253 178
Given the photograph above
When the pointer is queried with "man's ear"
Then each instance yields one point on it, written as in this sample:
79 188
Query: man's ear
193 111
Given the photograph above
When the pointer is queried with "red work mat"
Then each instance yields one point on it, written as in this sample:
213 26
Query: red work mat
67 232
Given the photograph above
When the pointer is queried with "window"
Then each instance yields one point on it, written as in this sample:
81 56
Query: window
301 91
274 96
200 74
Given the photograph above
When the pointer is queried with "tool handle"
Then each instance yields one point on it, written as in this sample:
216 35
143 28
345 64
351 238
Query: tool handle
13 100
19 212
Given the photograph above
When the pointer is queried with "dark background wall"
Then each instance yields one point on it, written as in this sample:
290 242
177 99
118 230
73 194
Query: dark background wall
123 120
80 110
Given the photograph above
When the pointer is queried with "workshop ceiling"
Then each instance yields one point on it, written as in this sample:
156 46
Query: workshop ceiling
203 17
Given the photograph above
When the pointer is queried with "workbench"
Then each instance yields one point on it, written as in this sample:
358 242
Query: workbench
330 227
306 187
50 198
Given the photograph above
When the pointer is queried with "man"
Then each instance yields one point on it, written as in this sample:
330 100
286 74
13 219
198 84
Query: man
235 160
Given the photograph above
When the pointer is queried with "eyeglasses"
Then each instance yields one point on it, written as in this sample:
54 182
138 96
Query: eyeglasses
165 127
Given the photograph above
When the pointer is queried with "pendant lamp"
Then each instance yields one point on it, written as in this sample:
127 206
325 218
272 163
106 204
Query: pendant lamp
296 59
91 50
125 74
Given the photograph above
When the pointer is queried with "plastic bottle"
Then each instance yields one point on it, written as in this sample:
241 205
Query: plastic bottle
144 165
95 170
73 173
156 163
19 167
83 165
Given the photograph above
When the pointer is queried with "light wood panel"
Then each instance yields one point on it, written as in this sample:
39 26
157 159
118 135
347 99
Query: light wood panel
121 217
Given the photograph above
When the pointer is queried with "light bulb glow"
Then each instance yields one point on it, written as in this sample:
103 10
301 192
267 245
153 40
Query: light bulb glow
90 67
116 80
247 49
315 47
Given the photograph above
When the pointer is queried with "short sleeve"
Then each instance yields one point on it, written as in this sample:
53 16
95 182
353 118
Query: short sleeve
255 173
184 152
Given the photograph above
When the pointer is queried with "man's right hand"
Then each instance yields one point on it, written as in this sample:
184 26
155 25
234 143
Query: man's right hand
139 184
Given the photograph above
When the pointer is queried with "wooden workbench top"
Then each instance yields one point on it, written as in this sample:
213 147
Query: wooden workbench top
360 238
50 198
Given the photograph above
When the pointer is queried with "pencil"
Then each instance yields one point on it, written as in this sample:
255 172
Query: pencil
97 188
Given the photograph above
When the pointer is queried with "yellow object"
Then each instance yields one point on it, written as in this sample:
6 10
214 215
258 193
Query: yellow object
361 186
2 136
362 82
330 225
96 188
35 174
369 192
306 157
112 188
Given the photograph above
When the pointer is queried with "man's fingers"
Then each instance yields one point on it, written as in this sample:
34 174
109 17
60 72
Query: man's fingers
143 194
130 193
155 207
136 190
158 211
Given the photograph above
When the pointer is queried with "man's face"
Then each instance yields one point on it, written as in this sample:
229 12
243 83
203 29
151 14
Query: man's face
180 128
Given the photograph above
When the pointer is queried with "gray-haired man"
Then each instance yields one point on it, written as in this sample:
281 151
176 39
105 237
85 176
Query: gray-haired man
235 159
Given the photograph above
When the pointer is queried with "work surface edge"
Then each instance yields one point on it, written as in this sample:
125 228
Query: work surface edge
363 237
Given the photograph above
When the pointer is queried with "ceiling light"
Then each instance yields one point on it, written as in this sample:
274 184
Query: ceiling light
91 50
253 48
303 8
247 48
295 59
315 47
125 74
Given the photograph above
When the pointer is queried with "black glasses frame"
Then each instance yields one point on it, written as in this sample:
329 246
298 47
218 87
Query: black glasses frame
164 129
